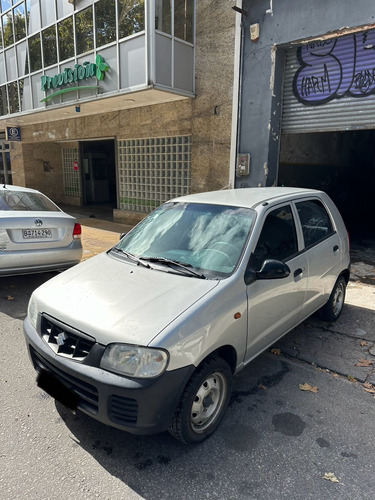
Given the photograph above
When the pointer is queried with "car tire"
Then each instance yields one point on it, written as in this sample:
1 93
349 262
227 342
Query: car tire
203 403
331 311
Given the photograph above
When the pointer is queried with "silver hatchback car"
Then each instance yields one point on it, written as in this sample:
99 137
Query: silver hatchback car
152 331
35 235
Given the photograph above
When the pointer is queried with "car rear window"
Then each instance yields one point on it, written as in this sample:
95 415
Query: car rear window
26 202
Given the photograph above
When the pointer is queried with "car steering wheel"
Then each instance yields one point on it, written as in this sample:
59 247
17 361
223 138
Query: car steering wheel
227 257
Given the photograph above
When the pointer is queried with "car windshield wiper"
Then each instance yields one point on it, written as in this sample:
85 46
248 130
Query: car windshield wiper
131 256
180 265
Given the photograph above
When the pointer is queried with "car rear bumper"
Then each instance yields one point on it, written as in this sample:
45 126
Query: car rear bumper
27 262
135 405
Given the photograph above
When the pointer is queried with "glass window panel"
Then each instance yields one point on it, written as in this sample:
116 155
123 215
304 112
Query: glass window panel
32 16
2 68
48 12
49 46
23 66
26 97
315 221
84 31
163 15
1 34
183 19
8 29
11 65
14 105
105 15
278 239
21 88
131 17
3 100
5 4
35 53
19 22
64 8
66 39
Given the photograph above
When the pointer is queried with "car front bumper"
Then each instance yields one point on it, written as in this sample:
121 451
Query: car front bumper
138 406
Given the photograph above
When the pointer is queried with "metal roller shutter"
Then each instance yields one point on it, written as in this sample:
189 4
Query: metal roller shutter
329 85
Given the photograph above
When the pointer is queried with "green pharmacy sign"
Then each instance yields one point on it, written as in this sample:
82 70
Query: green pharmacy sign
78 73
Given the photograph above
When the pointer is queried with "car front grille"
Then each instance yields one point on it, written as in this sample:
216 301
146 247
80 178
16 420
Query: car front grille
123 411
88 394
64 340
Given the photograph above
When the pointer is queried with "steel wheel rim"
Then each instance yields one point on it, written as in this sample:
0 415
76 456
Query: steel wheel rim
338 299
208 402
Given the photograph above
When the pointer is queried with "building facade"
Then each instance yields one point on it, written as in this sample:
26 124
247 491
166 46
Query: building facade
307 105
119 102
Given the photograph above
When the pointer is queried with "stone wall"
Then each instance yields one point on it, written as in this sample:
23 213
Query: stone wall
39 167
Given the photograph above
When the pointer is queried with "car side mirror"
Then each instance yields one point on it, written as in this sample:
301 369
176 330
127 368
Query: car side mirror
273 269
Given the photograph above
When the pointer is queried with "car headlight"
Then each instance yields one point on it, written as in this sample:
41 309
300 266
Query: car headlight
32 311
134 361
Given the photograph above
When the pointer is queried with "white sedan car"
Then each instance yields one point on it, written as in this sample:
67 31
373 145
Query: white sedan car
35 235
147 336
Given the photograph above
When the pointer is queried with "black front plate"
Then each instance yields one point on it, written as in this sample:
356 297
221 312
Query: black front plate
56 389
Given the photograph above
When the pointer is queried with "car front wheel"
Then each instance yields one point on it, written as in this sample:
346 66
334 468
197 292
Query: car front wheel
203 402
332 310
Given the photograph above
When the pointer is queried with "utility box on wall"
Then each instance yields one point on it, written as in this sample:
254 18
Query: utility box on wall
243 164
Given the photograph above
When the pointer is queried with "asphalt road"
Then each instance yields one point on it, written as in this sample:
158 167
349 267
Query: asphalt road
276 441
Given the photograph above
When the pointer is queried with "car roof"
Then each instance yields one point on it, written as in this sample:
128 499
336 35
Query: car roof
247 197
9 187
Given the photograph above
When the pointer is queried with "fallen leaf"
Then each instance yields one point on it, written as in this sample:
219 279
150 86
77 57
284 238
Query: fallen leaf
331 477
368 387
364 362
10 297
336 375
261 386
364 343
351 378
276 351
308 387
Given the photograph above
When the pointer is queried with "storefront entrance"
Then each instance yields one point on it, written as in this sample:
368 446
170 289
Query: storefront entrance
99 172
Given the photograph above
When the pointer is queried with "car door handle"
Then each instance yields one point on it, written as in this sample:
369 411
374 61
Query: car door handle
335 248
298 272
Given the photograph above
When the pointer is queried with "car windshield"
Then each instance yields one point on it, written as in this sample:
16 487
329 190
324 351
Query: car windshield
208 239
24 201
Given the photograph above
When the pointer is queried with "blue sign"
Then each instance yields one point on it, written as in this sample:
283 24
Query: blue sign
14 133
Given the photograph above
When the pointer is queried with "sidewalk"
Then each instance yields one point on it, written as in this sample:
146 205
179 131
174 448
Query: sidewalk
100 235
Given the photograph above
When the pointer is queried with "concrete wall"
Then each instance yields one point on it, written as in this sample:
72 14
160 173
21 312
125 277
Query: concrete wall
281 22
207 117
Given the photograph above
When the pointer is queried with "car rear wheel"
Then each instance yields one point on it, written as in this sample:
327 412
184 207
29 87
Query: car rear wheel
203 402
333 309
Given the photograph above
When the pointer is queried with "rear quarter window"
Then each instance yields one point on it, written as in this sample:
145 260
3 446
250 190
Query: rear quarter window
315 221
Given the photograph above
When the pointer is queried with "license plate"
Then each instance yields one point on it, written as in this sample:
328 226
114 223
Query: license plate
36 233
56 389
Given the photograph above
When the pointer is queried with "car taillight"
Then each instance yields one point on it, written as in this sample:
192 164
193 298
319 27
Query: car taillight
77 231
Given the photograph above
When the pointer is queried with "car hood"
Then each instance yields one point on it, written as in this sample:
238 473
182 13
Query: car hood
117 301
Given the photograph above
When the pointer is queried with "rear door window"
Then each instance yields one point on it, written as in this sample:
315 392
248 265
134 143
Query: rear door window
315 221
